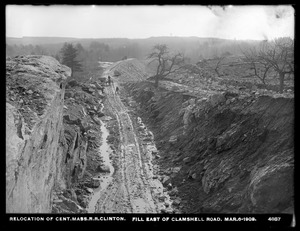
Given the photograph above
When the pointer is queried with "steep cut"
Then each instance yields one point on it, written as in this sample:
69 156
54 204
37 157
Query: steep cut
235 152
34 108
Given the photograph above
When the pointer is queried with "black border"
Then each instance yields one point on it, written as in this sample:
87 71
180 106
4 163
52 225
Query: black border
262 218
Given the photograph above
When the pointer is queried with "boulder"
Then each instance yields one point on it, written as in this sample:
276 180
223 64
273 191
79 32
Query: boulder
272 188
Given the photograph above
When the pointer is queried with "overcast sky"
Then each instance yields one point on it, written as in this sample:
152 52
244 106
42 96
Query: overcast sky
230 22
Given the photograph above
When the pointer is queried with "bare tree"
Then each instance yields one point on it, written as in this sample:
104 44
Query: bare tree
277 55
218 64
260 67
212 64
167 63
280 55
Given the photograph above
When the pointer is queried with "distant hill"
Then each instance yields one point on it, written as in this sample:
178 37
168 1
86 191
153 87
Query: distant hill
193 47
38 40
116 41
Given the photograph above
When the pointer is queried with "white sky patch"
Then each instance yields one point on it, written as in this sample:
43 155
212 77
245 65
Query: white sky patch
94 21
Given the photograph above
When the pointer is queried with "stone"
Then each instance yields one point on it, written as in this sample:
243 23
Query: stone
147 139
186 160
167 204
168 171
168 211
173 139
216 99
176 169
192 101
165 180
174 191
194 176
73 195
185 104
89 190
92 184
29 91
154 152
162 198
103 168
176 202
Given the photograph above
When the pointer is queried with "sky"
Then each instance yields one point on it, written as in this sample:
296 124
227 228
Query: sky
99 21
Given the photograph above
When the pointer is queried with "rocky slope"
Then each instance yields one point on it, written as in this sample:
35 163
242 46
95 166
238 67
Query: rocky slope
34 108
234 152
52 137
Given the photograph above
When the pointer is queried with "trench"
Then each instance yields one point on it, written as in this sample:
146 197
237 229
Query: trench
105 178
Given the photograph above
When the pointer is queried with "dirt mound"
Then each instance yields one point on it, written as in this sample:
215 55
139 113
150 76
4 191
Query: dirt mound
235 152
129 70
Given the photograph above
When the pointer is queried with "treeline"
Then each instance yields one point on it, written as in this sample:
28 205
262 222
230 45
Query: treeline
93 50
112 50
14 50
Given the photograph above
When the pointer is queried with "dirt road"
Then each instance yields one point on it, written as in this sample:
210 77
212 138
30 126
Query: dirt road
133 189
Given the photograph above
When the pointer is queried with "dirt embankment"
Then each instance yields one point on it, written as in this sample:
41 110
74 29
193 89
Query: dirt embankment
235 153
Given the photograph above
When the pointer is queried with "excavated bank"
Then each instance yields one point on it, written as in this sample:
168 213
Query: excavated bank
234 153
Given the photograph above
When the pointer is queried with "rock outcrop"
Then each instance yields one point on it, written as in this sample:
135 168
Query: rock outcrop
52 137
34 132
